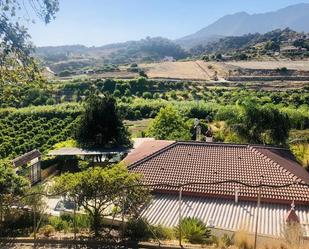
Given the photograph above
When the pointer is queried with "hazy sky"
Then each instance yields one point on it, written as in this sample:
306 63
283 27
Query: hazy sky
99 22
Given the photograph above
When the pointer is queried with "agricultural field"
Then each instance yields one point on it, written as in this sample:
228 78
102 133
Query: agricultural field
219 71
302 65
137 128
39 117
190 70
26 129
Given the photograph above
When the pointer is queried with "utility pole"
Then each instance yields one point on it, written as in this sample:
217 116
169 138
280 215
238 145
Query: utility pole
180 216
34 221
123 213
74 220
257 216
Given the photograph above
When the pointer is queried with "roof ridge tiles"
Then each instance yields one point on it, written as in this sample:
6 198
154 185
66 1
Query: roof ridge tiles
210 143
281 168
253 146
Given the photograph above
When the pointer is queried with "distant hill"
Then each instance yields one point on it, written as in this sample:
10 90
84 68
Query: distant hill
295 17
277 43
71 57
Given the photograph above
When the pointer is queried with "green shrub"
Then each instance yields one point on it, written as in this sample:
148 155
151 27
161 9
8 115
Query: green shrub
138 230
193 230
50 101
82 221
147 95
163 233
59 224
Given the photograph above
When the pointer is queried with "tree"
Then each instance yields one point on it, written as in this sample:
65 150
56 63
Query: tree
272 45
11 185
168 124
104 192
14 40
100 124
261 124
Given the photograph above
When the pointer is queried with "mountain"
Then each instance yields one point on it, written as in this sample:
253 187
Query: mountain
272 40
295 17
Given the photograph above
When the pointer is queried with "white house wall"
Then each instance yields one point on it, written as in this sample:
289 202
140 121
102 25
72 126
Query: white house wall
223 214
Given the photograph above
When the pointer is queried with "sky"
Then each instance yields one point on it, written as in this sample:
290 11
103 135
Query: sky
100 22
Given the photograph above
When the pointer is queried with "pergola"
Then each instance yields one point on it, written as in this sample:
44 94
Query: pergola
97 154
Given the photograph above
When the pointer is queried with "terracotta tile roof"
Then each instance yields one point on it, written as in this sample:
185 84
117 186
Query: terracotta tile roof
183 162
144 147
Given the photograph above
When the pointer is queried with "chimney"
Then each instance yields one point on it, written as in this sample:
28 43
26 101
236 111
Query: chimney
208 136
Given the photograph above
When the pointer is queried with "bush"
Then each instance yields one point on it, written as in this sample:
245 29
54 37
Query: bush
163 233
82 221
193 230
59 224
138 230
50 101
156 95
243 240
147 95
47 230
143 74
117 93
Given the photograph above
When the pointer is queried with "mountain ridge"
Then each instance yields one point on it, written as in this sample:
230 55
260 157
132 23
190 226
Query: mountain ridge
294 17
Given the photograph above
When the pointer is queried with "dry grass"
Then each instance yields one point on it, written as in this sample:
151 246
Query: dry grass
200 70
296 65
176 70
292 239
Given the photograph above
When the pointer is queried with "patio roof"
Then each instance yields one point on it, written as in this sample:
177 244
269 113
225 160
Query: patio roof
73 151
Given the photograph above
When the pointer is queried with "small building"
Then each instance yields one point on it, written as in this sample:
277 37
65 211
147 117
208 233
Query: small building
226 57
219 185
289 49
168 59
29 165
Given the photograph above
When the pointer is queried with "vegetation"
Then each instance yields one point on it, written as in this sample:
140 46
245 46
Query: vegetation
65 222
26 129
12 186
251 46
41 127
96 189
261 125
17 64
194 231
100 124
168 125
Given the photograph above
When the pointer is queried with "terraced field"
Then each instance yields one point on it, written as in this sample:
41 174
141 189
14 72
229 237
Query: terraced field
294 65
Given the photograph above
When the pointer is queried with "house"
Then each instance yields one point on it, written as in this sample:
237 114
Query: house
222 192
289 49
